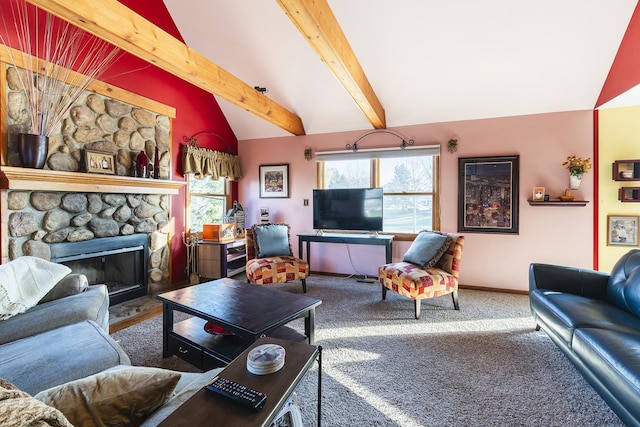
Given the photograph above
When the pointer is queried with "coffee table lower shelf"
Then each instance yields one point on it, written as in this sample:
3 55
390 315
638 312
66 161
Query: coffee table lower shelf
189 341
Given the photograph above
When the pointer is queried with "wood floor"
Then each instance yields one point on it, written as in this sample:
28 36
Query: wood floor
131 312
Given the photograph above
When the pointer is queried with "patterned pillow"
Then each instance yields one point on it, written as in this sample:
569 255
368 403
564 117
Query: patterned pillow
18 408
271 240
427 248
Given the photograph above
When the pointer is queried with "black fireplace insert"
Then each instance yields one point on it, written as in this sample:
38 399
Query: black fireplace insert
119 262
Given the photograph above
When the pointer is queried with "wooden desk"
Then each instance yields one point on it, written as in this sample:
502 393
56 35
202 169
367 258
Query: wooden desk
207 408
357 239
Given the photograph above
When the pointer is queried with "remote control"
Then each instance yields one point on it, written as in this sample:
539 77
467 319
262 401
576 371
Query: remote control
237 392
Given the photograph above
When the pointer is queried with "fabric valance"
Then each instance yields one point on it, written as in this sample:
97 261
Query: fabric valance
202 162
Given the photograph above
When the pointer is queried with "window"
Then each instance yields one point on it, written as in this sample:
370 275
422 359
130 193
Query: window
408 182
408 193
347 174
207 200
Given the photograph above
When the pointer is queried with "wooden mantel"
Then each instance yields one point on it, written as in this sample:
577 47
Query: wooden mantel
18 178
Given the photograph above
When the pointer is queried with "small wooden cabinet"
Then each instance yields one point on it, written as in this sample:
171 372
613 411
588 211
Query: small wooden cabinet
217 260
629 194
627 170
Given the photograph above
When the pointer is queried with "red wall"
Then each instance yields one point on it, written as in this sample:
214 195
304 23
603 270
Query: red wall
196 110
625 70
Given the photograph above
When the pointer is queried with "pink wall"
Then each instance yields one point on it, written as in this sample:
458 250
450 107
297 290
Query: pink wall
559 235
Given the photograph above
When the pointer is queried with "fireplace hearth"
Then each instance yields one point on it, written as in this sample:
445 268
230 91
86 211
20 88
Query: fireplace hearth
119 262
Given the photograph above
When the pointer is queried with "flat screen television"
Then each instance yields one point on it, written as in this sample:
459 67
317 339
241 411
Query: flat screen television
348 209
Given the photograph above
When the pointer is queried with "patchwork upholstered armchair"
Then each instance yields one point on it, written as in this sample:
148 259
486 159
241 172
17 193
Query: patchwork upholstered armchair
269 256
429 269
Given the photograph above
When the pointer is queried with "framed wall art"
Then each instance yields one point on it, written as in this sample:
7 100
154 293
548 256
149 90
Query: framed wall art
622 230
97 162
274 181
488 194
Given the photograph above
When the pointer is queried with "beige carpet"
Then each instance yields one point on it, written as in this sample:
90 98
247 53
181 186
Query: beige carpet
484 365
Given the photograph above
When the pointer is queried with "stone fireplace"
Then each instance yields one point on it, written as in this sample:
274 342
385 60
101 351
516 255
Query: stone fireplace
69 214
91 226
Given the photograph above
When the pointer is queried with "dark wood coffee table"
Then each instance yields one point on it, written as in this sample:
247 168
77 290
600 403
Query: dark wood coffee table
247 311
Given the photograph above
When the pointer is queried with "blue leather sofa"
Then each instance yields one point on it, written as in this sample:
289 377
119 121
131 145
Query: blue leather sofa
594 318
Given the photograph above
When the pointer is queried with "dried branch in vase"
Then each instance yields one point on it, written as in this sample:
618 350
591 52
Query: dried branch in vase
50 84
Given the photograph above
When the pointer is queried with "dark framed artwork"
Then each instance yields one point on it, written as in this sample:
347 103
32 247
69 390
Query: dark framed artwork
488 194
274 181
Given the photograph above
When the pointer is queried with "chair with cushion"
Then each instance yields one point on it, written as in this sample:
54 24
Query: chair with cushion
269 256
428 269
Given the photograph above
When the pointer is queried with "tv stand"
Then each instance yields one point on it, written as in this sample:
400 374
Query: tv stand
356 239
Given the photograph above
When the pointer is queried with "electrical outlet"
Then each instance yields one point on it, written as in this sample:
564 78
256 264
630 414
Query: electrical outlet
306 202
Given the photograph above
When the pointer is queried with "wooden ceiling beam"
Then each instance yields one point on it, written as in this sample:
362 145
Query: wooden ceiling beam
318 24
120 26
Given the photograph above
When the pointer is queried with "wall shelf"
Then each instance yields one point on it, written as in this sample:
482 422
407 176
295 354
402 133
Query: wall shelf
558 202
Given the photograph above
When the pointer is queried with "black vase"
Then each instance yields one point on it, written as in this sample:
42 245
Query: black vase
33 150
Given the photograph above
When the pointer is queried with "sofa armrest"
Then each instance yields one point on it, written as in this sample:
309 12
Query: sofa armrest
92 304
578 281
71 284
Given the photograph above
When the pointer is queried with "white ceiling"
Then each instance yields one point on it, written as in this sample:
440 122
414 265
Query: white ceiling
428 61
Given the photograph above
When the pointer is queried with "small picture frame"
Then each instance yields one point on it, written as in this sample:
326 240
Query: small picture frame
622 230
274 181
538 194
97 162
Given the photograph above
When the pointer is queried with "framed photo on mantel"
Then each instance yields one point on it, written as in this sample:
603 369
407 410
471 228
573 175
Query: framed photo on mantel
488 194
97 162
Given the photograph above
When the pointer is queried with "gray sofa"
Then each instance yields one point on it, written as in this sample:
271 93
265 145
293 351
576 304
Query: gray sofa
65 338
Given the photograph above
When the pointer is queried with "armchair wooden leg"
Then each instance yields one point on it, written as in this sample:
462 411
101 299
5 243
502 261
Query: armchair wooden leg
416 303
384 292
304 286
454 295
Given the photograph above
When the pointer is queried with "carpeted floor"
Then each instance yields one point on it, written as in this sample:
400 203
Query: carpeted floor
484 365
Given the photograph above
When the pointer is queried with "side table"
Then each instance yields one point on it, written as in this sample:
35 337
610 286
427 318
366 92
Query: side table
205 406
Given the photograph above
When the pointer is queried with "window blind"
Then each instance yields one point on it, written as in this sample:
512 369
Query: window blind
378 153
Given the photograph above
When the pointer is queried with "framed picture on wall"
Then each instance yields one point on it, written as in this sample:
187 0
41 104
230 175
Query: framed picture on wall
488 194
622 230
274 181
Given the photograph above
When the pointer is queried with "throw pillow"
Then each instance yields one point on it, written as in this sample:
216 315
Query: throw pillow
272 240
71 284
123 397
24 281
427 248
18 408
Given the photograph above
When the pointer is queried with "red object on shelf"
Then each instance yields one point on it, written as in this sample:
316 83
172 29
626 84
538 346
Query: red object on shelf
216 329
142 165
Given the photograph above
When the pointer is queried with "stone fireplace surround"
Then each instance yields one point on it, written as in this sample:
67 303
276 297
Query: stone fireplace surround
42 223
61 203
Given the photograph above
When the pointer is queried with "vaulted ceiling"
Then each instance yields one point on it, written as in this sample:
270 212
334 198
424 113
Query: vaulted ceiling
384 63
427 61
